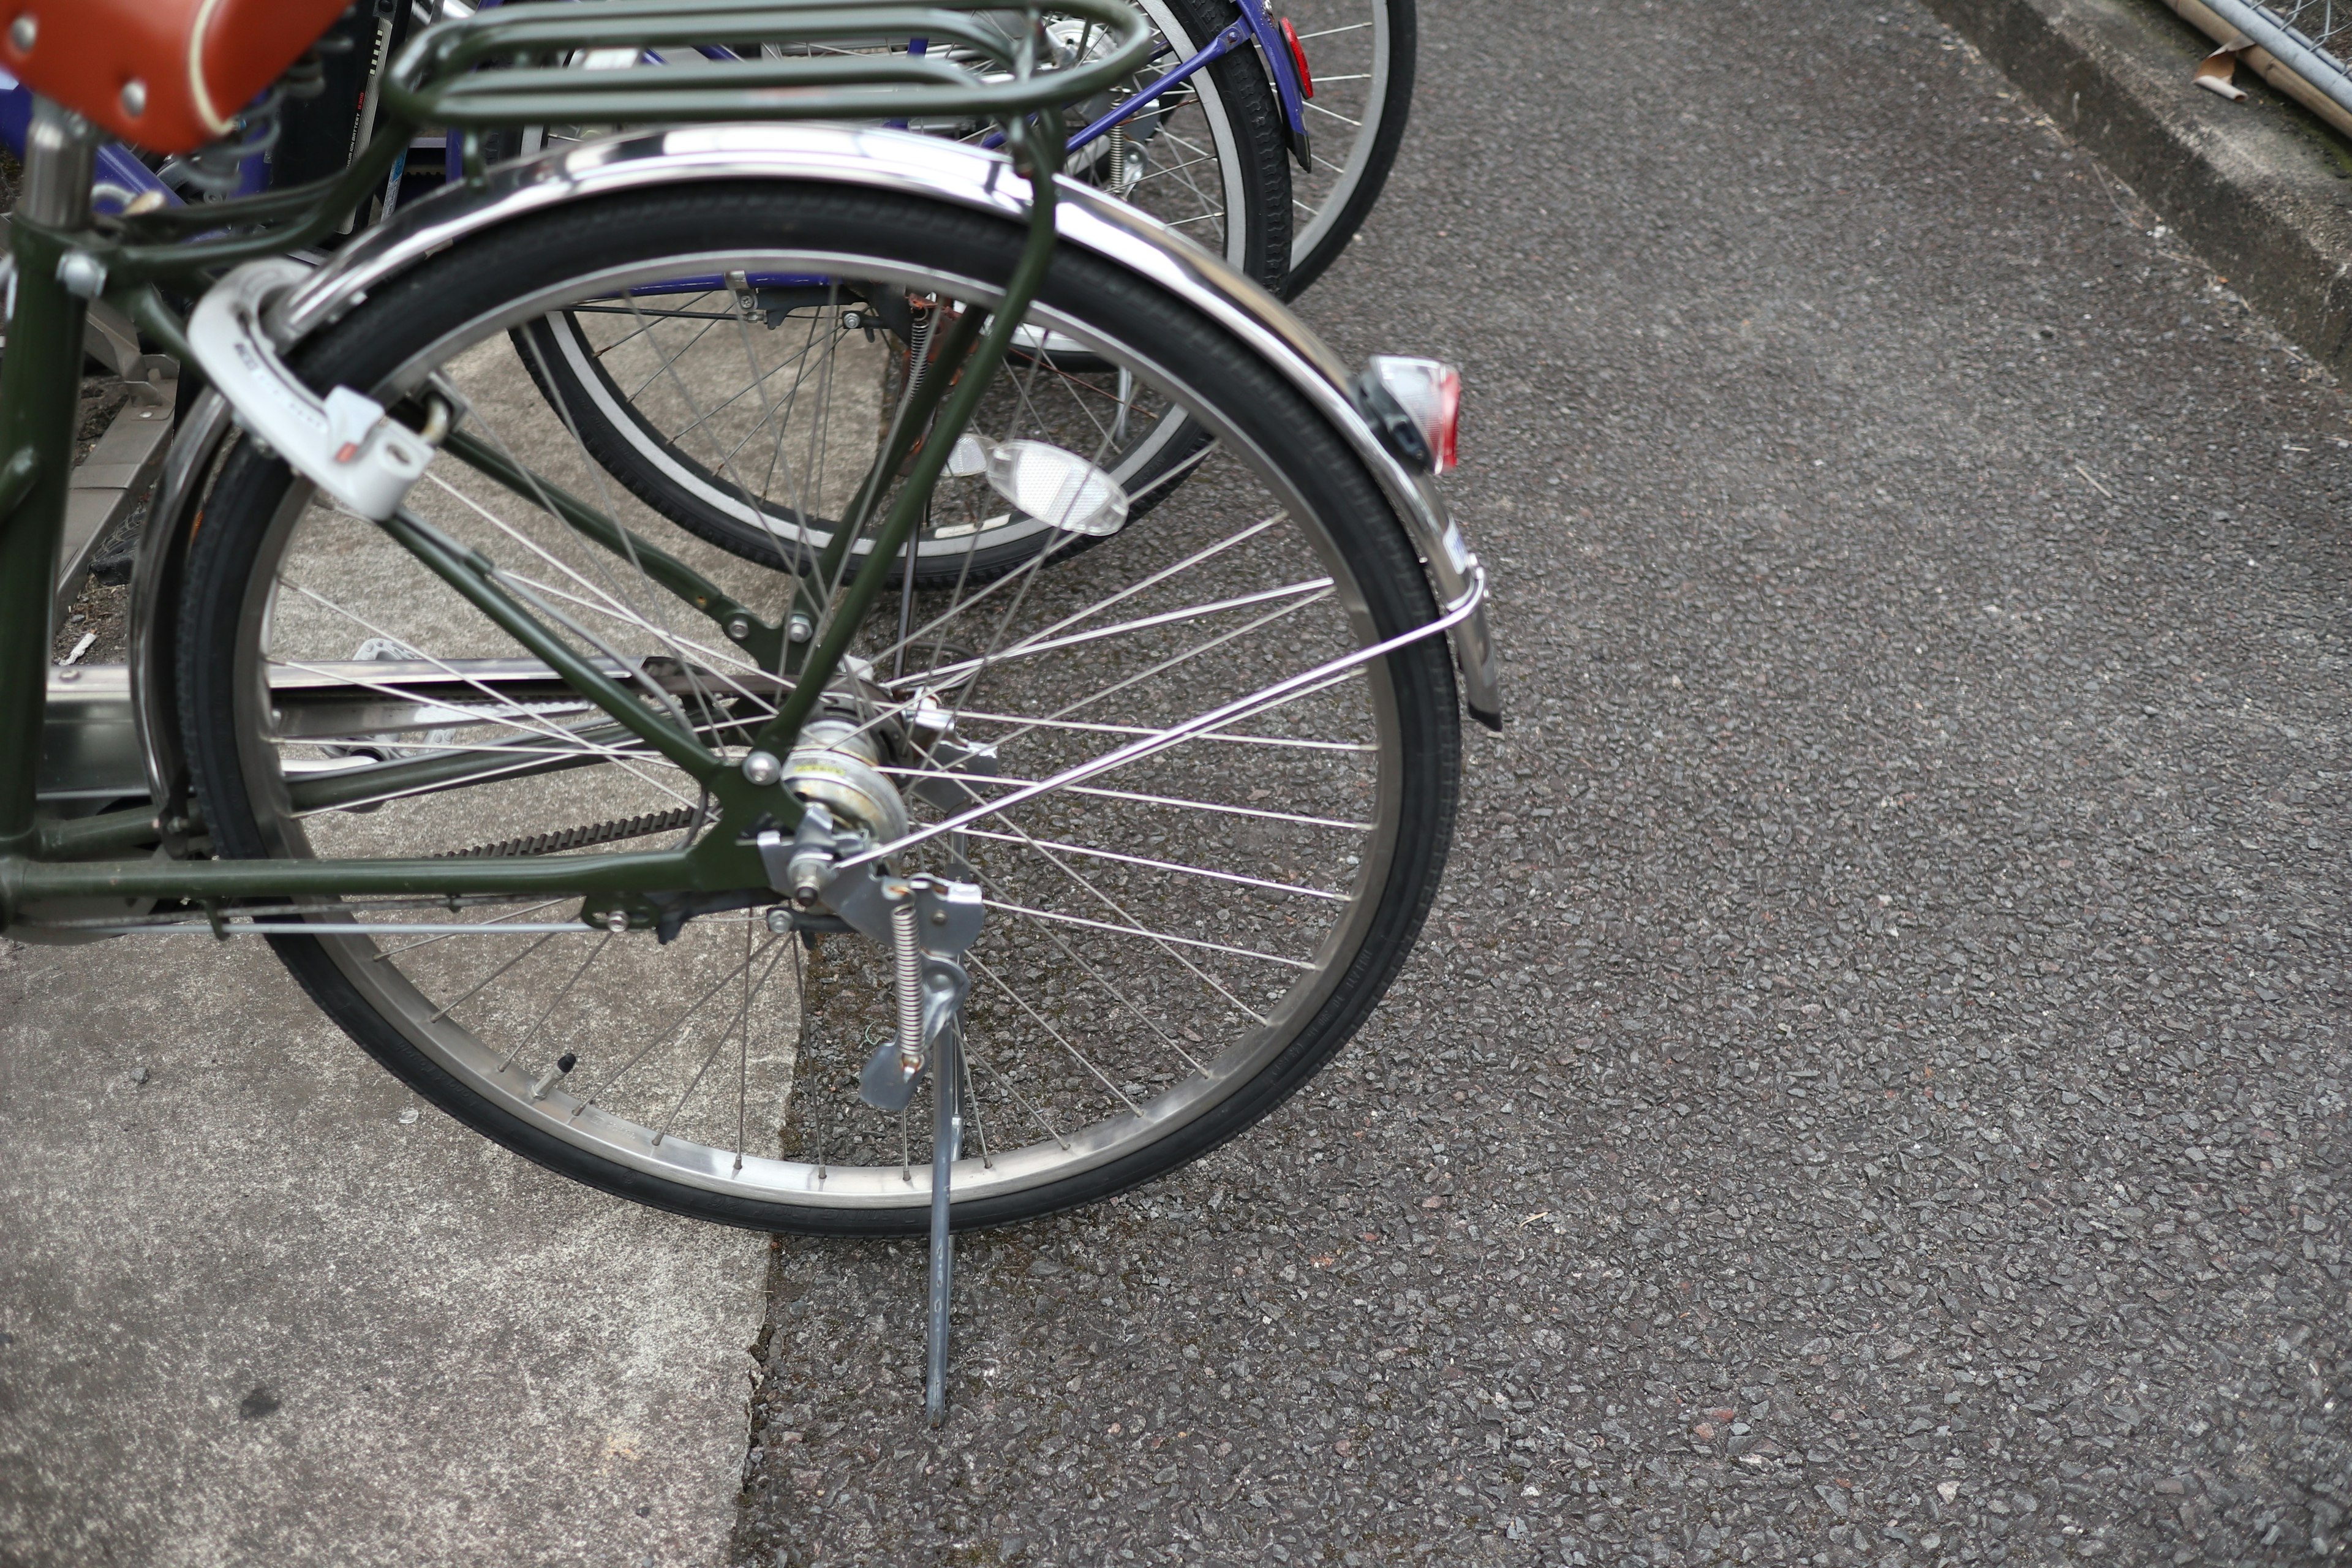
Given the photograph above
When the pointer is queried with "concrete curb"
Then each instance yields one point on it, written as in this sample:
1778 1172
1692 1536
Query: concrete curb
2260 189
258 1306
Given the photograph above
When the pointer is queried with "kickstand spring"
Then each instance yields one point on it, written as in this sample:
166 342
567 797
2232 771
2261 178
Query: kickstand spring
947 1143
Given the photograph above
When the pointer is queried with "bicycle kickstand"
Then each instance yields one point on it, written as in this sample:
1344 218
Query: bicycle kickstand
946 1145
927 921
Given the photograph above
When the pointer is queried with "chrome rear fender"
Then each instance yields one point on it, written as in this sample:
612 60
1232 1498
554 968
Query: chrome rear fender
870 157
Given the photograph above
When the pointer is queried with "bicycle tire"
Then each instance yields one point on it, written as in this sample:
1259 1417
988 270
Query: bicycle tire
242 628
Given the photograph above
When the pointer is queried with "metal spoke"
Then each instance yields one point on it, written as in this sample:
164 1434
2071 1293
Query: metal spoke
724 1035
1025 390
661 1039
666 367
1024 580
1203 871
538 729
757 385
768 413
1141 585
1083 726
1005 1085
530 1034
1152 672
1213 208
801 1008
551 731
1222 808
1119 996
776 450
1030 648
743 1057
533 760
604 499
1144 746
720 655
1148 935
614 606
971 1101
985 973
1203 976
421 751
475 990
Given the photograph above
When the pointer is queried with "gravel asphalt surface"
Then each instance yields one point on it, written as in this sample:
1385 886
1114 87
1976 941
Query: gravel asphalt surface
1874 1089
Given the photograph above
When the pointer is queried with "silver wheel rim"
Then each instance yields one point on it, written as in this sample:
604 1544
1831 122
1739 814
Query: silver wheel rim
429 1018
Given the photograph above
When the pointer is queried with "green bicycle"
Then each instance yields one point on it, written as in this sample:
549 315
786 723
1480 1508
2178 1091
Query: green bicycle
624 849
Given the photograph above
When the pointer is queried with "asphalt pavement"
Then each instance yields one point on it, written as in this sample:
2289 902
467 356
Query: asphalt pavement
1874 1089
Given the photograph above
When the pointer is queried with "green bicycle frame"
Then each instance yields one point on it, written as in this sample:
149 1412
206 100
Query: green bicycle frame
62 257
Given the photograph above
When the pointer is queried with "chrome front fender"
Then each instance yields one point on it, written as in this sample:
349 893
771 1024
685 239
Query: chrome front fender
946 171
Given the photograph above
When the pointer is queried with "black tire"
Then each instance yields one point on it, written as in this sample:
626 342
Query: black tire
256 508
1261 151
678 480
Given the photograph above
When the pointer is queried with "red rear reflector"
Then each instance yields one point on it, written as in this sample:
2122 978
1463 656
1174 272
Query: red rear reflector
1299 58
1429 393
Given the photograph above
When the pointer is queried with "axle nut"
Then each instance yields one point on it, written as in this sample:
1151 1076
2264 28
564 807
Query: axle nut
762 769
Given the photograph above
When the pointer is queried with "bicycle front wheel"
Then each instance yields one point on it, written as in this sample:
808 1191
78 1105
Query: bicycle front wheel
1168 949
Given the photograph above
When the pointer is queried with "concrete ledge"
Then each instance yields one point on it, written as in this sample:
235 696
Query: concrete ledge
258 1305
2260 188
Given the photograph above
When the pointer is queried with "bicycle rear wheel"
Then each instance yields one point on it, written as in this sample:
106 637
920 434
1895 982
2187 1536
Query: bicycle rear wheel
1361 54
1170 949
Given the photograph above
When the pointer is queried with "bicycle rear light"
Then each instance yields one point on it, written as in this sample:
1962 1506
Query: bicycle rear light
1299 58
1417 405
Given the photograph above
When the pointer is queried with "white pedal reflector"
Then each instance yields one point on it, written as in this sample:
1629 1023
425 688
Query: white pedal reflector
1057 487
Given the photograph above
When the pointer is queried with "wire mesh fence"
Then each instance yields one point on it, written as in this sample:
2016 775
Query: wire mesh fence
2301 47
2324 24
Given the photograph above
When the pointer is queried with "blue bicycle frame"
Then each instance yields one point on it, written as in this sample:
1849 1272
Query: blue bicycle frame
1256 24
